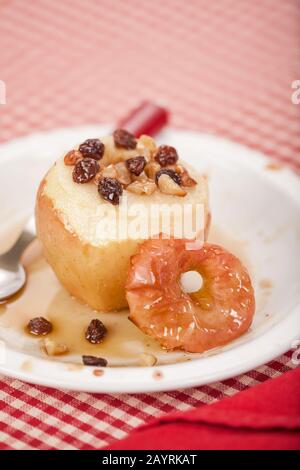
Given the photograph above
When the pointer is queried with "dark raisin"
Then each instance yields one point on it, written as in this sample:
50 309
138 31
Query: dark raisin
124 139
94 361
136 165
39 326
85 170
166 155
95 332
110 189
167 171
92 148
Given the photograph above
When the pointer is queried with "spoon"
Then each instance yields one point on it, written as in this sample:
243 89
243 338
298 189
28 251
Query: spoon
12 273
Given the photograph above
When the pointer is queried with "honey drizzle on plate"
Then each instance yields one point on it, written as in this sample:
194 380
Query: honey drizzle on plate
44 296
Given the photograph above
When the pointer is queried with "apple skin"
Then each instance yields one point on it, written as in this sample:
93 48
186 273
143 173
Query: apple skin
94 275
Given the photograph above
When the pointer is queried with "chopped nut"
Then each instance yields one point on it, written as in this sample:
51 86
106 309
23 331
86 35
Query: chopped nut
186 179
53 348
168 186
149 143
72 157
168 171
147 360
145 186
141 177
151 169
117 171
123 174
98 177
178 168
109 172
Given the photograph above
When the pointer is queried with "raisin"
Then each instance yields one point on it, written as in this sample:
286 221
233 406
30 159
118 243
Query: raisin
166 155
136 165
92 148
124 139
39 326
85 170
72 157
167 171
95 332
94 361
110 189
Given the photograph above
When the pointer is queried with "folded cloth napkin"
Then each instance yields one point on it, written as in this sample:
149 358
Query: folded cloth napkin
263 417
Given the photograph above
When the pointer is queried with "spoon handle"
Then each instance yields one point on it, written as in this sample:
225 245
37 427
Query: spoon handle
147 118
12 258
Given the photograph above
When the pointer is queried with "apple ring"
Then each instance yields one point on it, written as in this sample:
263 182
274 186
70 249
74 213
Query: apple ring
217 313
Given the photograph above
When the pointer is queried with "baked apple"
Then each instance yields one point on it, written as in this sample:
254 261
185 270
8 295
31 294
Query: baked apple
94 189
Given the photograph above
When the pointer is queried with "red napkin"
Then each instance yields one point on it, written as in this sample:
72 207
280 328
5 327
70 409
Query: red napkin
263 417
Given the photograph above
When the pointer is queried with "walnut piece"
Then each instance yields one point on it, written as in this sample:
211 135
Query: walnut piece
147 360
123 174
98 177
168 186
53 348
149 143
143 186
72 157
109 172
141 177
186 179
151 169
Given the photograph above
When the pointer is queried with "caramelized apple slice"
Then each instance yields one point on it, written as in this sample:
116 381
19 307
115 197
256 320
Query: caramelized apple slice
220 311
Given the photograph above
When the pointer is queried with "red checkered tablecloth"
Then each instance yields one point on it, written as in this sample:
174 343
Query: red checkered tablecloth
224 66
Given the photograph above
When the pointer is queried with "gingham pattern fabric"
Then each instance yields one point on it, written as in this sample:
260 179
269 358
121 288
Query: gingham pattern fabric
224 66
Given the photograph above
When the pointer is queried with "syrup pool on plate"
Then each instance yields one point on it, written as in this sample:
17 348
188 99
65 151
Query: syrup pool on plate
44 296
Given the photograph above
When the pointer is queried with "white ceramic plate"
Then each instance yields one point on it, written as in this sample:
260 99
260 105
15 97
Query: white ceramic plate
255 207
